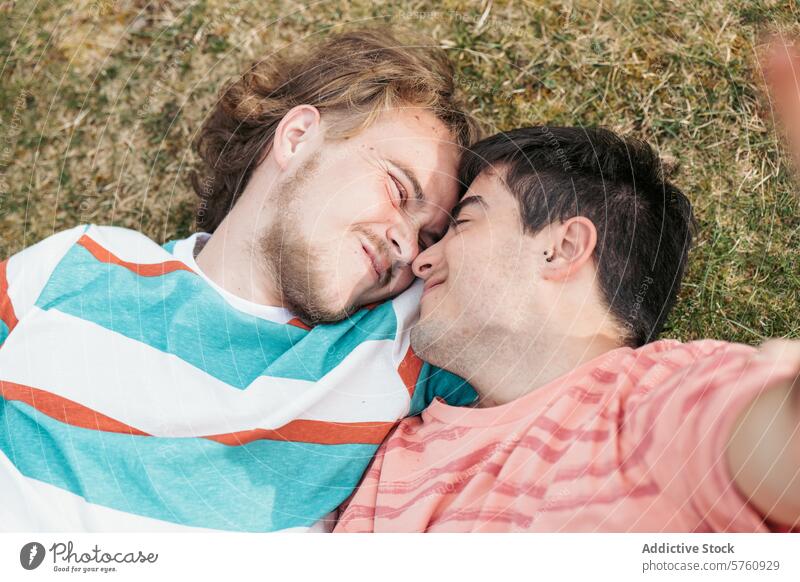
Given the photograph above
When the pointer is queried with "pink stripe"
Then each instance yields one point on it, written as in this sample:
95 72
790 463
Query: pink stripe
647 490
462 470
540 448
604 376
447 434
646 361
584 396
482 516
563 433
357 518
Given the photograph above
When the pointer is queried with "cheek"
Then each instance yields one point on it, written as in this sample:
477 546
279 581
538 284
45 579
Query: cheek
467 262
360 199
479 272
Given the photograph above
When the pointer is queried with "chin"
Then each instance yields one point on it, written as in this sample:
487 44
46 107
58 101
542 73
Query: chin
314 306
427 341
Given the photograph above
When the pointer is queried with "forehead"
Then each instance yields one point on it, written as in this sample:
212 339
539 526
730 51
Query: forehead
418 139
499 202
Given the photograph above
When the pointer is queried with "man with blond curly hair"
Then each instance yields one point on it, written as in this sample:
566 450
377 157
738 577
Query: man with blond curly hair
243 377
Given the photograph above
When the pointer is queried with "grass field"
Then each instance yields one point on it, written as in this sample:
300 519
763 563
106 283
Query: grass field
100 99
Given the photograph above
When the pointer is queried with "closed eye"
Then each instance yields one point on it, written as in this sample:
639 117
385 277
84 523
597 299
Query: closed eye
402 193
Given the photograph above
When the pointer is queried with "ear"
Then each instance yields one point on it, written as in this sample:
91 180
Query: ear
299 127
571 245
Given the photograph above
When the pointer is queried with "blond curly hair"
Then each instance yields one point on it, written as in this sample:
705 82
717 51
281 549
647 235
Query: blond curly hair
352 77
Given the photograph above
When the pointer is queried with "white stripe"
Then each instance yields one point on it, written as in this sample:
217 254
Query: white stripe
28 270
163 395
129 245
406 310
184 252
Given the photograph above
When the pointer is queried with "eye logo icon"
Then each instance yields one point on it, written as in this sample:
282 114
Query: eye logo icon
31 555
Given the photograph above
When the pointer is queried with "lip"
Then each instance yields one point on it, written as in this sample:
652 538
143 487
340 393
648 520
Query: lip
378 265
430 286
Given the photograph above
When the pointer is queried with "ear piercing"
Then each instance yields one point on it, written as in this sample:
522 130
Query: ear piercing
548 259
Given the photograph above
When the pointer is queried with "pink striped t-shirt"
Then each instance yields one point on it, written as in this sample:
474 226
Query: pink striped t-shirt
633 440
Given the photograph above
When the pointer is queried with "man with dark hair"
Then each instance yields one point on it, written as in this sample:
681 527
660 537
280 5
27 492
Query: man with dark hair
562 261
240 378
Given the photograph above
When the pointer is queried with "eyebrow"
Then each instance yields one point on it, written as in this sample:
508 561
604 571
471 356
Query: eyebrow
467 202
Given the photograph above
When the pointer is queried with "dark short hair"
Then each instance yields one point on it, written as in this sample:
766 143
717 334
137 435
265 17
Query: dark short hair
645 224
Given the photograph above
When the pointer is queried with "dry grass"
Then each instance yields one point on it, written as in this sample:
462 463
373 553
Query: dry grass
100 100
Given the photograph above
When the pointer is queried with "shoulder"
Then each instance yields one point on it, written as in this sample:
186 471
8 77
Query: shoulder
53 245
25 274
30 267
679 354
655 367
670 367
392 318
123 243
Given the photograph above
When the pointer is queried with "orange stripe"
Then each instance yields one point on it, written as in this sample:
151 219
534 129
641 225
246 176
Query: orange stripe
146 270
64 410
313 431
305 431
297 323
6 309
409 370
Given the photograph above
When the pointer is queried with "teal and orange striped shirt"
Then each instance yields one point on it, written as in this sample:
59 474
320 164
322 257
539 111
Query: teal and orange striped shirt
138 395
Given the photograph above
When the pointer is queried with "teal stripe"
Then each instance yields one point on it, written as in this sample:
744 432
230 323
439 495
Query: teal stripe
170 246
4 331
180 314
260 486
434 381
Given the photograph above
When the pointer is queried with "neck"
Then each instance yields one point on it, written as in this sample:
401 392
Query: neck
519 364
232 258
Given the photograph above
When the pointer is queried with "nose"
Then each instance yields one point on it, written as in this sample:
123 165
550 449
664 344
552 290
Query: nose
403 239
423 265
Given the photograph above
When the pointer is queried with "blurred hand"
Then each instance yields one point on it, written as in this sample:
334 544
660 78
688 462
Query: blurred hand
781 65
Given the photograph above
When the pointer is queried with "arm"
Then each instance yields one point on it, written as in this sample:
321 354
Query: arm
680 420
764 448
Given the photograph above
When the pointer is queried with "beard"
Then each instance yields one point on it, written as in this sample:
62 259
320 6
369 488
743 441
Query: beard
298 278
291 261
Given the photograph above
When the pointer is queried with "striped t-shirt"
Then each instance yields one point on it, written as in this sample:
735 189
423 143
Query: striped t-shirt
632 441
135 394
